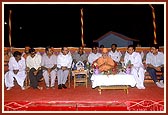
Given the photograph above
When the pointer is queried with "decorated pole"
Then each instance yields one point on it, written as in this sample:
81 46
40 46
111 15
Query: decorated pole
154 23
10 39
82 27
10 29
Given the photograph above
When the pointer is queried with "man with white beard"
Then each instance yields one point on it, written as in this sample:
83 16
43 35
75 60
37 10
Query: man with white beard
137 69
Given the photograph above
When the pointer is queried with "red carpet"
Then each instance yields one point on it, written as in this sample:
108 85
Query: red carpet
84 99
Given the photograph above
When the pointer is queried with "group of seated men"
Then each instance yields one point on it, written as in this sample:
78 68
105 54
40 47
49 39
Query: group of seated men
50 65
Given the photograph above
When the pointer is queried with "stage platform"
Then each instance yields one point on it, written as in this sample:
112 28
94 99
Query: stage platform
83 99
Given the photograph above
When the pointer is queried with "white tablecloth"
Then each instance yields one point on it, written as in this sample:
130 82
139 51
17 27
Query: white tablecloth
108 80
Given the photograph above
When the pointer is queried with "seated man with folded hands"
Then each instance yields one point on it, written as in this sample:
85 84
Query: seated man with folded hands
105 64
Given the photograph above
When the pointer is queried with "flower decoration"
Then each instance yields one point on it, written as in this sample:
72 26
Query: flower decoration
128 67
95 68
95 65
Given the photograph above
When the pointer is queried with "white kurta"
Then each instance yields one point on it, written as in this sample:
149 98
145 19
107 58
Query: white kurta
20 76
66 61
115 55
137 70
34 62
92 57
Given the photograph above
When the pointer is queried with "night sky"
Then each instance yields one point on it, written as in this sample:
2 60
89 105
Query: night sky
60 25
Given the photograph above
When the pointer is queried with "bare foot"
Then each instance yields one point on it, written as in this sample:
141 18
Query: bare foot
40 88
27 87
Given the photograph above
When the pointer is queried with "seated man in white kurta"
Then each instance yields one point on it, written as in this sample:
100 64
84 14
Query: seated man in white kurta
137 69
64 61
114 54
17 66
94 55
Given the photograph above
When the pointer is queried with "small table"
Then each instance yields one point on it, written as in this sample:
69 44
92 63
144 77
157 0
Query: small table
83 79
118 81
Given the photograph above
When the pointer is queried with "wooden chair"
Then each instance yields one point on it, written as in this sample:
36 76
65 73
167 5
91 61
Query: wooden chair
149 79
69 79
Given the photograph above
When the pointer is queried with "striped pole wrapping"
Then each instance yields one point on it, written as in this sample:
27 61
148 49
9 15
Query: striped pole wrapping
154 23
10 39
82 27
